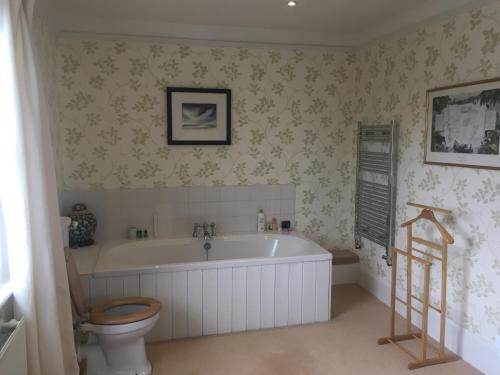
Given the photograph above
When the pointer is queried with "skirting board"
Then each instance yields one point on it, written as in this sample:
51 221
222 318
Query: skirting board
345 273
472 348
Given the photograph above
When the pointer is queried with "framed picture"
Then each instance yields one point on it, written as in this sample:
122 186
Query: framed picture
197 116
463 125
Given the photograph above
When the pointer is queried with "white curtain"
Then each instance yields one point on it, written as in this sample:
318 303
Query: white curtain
29 202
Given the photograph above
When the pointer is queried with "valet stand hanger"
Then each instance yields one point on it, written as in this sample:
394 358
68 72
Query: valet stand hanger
426 259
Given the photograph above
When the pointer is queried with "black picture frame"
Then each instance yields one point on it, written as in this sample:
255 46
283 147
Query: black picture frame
170 91
481 147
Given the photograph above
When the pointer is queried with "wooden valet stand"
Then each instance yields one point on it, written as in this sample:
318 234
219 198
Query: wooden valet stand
425 259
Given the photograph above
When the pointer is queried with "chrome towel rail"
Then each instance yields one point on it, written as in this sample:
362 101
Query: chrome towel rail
376 185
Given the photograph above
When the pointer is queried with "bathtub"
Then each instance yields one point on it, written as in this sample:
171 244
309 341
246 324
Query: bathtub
244 282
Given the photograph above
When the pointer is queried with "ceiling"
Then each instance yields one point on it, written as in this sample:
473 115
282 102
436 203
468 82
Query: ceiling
310 22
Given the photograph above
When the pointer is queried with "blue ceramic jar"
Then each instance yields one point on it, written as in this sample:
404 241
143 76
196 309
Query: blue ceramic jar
83 226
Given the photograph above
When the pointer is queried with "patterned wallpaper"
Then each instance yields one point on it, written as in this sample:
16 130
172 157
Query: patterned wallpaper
292 120
391 80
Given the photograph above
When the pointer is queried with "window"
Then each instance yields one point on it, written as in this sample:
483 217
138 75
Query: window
11 200
4 261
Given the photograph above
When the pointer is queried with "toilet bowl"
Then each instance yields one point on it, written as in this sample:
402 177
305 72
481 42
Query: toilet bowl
119 325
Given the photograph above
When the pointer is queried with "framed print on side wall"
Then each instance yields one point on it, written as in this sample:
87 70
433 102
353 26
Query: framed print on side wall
198 116
463 125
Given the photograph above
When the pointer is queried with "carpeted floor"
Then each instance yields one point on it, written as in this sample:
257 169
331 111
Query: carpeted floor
345 345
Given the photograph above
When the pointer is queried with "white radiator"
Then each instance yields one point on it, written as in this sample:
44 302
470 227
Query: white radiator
13 353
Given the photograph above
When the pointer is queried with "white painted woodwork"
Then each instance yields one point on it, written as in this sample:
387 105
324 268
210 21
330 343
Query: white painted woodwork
195 303
295 294
13 358
115 287
226 299
267 296
323 291
179 296
239 299
131 286
98 290
281 297
164 294
210 302
308 292
253 297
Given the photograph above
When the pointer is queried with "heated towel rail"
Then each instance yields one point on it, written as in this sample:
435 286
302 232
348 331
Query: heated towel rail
376 185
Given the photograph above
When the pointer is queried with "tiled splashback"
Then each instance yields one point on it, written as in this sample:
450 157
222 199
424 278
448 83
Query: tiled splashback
233 208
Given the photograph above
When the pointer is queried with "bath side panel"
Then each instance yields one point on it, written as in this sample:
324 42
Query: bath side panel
267 289
224 300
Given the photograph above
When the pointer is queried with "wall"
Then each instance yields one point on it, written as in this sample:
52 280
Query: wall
291 109
167 212
391 80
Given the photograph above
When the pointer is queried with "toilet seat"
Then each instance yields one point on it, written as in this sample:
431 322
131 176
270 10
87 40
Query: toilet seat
101 314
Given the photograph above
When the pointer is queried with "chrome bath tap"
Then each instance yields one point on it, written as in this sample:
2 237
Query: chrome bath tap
206 234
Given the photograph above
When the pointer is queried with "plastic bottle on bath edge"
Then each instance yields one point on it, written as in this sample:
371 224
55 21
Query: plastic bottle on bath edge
261 221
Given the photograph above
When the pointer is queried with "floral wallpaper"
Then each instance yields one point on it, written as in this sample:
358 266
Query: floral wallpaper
391 80
292 120
295 114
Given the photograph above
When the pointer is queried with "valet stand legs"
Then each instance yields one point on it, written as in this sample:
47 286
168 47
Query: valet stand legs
421 360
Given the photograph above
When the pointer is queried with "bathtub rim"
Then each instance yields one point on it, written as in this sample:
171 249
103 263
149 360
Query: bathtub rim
322 254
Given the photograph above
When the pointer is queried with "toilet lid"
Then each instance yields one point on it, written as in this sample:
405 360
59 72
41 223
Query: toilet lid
75 286
124 310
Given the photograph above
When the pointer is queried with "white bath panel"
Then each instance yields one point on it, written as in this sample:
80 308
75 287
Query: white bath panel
267 296
164 294
98 290
281 295
195 303
229 299
115 287
253 297
323 291
239 299
224 299
147 288
147 285
295 294
179 296
210 302
131 286
308 292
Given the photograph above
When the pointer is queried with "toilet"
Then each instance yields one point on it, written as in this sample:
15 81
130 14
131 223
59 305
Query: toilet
119 326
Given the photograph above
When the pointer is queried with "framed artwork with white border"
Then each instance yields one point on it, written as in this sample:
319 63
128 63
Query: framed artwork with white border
462 125
198 116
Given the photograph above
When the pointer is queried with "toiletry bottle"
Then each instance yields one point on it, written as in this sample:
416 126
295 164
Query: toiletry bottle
145 234
139 234
261 221
131 233
274 225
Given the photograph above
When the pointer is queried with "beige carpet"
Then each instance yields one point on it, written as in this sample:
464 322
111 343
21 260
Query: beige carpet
346 345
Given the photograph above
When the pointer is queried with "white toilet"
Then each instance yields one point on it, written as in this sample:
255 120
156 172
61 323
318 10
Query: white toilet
118 324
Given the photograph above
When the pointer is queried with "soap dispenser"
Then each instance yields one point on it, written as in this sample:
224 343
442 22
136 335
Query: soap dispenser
261 221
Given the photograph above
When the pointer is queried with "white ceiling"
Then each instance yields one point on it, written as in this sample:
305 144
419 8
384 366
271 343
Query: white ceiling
311 22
